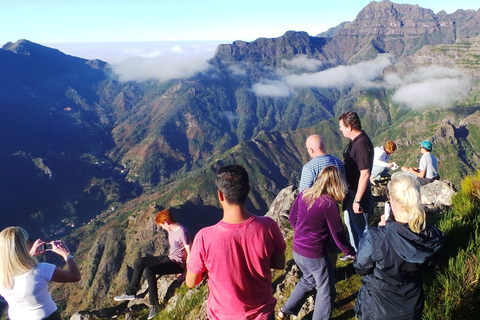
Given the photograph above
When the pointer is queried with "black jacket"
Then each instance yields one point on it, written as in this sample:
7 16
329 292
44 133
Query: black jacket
392 259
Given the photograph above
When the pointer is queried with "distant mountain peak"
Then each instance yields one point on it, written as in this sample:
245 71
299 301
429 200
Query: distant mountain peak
331 32
26 47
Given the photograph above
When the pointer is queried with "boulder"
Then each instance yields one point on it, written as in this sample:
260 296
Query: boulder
166 289
280 209
438 193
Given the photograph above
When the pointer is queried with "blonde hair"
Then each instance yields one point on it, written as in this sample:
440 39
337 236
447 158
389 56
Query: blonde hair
405 190
329 182
15 258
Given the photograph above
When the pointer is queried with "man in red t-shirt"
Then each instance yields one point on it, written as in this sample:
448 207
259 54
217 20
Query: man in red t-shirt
237 254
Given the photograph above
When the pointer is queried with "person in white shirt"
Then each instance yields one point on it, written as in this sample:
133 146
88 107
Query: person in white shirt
427 171
24 281
381 165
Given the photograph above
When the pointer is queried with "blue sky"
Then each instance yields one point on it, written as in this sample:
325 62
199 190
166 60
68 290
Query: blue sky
60 21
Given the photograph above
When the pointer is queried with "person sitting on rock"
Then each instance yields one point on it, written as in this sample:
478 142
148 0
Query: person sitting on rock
180 241
380 161
427 171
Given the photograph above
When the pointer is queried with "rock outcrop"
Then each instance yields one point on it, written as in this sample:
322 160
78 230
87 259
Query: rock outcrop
280 209
166 289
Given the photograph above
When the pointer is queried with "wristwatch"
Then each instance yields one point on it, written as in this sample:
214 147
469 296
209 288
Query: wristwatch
356 201
69 257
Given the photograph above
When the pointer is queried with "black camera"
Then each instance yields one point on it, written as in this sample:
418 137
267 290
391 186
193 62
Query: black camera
47 246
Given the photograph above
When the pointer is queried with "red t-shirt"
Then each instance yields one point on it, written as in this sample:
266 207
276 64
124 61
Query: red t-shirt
237 258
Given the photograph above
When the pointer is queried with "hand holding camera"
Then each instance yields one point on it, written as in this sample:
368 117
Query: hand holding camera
57 246
47 246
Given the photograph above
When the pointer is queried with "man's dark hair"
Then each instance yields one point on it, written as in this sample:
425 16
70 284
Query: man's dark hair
232 181
351 119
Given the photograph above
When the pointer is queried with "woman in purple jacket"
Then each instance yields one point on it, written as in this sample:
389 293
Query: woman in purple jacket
316 218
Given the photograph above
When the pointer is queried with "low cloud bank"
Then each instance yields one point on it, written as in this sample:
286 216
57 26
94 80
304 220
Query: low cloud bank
429 86
303 62
337 77
161 68
141 61
423 87
171 61
166 60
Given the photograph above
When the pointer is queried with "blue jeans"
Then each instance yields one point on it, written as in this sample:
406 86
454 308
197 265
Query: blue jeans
378 172
358 223
317 274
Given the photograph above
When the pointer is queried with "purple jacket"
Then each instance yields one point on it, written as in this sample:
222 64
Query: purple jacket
314 227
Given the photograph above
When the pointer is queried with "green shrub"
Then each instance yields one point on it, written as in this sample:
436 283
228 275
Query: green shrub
454 291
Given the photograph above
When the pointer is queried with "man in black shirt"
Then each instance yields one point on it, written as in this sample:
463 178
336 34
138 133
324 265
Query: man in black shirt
358 161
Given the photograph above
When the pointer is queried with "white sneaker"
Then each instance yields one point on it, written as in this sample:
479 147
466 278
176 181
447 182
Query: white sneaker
124 296
152 313
346 258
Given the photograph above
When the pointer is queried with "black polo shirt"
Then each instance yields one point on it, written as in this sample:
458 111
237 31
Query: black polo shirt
358 155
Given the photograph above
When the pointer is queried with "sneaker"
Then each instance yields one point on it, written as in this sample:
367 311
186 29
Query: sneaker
124 296
281 316
346 258
152 313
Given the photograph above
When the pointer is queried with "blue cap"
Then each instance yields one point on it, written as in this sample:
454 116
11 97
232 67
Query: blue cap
426 144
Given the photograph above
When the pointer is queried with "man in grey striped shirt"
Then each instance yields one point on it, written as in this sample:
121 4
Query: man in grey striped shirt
315 146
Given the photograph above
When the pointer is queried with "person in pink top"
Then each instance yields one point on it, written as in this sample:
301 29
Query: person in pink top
237 254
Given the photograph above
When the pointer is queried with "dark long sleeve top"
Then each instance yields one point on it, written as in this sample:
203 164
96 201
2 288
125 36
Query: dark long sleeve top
314 227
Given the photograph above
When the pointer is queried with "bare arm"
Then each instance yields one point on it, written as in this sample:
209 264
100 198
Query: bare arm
417 172
362 186
278 261
193 279
72 274
187 249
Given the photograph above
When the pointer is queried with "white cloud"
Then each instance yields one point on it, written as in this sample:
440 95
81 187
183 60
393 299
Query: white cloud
426 86
338 77
303 62
174 62
162 68
229 115
341 76
274 89
236 70
432 92
140 61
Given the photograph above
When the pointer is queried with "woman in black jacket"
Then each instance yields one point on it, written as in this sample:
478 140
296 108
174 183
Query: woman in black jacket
391 258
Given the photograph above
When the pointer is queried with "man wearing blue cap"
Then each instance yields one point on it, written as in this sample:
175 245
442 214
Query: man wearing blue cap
427 170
